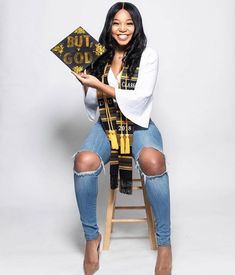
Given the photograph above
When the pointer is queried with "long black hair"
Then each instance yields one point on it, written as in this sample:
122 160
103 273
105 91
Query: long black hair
134 48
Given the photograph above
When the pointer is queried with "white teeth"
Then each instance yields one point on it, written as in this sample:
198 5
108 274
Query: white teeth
123 36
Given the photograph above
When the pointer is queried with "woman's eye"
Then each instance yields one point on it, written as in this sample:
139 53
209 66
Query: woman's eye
115 23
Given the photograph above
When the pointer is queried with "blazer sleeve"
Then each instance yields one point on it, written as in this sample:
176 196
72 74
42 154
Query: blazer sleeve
136 104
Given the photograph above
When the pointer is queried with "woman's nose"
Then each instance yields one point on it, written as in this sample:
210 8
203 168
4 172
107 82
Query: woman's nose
122 27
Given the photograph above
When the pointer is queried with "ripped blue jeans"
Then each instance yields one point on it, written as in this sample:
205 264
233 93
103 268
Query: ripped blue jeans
157 187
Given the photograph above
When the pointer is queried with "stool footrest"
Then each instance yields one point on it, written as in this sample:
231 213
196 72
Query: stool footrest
130 207
137 187
134 180
130 220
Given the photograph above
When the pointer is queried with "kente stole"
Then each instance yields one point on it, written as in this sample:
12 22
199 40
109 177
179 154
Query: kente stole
119 131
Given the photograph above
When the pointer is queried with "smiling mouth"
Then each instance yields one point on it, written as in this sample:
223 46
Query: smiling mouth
123 37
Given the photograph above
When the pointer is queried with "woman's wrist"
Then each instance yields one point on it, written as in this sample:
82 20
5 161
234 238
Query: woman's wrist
108 90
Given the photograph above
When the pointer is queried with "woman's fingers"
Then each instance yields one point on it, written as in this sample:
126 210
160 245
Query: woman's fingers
80 75
86 79
74 73
77 76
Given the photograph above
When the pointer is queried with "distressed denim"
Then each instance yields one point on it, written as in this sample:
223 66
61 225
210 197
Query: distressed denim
157 187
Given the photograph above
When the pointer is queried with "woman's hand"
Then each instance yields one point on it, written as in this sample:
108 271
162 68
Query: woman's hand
87 80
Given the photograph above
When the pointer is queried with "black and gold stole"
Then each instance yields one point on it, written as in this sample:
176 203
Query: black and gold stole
119 131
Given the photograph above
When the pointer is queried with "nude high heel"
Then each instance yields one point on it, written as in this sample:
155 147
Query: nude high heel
91 268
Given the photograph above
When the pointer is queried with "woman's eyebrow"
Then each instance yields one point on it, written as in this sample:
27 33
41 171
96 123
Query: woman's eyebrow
126 20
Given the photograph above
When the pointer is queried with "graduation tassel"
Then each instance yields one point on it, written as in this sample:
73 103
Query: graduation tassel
113 139
112 136
122 144
127 143
127 139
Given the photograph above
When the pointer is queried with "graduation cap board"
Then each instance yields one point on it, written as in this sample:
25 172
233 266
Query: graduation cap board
78 50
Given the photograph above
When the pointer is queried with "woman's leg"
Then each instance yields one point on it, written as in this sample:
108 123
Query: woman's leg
88 163
152 165
148 153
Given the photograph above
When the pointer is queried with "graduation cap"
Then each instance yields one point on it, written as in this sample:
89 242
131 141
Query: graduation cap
78 50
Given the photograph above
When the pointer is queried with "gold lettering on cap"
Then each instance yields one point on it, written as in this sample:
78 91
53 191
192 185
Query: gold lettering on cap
78 58
70 41
78 41
87 40
88 57
68 59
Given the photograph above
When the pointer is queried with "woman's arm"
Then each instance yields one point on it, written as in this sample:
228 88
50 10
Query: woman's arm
93 82
137 104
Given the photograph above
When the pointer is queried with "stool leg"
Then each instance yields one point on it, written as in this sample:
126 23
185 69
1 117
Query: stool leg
113 214
150 219
109 215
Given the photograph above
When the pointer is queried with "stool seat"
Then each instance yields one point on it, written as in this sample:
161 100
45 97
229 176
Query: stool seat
112 207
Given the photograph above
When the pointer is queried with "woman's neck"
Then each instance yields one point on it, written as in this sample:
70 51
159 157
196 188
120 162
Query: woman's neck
119 53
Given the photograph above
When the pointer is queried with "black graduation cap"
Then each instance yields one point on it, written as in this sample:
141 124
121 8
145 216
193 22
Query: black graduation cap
78 50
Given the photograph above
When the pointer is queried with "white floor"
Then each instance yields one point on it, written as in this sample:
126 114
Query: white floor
49 240
49 243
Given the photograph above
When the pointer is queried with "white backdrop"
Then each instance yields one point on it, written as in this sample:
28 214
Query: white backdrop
43 122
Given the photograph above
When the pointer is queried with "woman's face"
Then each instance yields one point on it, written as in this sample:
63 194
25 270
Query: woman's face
122 27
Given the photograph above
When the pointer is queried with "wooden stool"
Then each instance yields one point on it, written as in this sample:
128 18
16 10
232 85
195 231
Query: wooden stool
110 220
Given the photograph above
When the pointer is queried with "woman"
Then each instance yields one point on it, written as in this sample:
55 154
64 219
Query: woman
121 84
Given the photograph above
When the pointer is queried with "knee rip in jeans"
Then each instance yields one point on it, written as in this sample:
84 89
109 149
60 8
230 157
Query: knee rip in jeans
144 175
91 173
148 176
